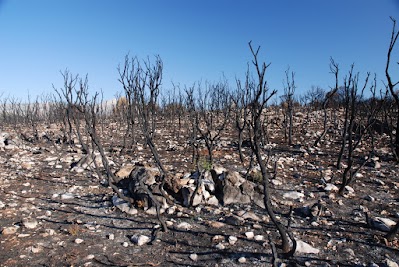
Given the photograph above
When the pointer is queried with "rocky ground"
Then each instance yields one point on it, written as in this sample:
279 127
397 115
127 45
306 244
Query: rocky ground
55 211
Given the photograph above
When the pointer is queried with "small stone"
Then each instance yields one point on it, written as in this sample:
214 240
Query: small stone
217 238
242 260
350 189
220 246
350 252
215 224
305 248
330 187
259 237
391 263
125 244
36 249
249 235
49 231
293 195
140 239
383 224
90 257
79 241
369 198
111 236
377 165
194 257
29 223
2 205
9 230
184 226
66 196
232 240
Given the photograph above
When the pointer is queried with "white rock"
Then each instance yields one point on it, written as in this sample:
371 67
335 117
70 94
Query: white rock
232 240
302 247
90 257
140 239
125 244
79 241
2 205
36 249
350 189
242 260
383 224
29 223
391 263
369 198
293 195
184 226
194 257
49 231
111 236
9 230
330 187
66 196
259 237
277 182
249 235
220 246
213 201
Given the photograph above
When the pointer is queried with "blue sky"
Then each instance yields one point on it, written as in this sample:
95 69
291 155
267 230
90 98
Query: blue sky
197 40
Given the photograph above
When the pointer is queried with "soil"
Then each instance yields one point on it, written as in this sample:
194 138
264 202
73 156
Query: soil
77 224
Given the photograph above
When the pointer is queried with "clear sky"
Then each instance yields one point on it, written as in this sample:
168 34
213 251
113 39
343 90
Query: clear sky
197 40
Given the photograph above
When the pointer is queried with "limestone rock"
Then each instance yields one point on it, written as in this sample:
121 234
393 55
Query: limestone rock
382 224
9 230
140 239
293 195
305 248
29 223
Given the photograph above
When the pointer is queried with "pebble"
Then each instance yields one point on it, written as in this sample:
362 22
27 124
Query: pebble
232 240
293 195
125 244
79 241
111 236
184 226
2 205
305 248
140 239
259 237
242 260
36 249
194 257
369 198
9 230
391 263
66 196
29 223
249 235
220 246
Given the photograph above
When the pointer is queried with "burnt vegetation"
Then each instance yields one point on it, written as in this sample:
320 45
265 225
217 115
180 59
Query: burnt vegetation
214 130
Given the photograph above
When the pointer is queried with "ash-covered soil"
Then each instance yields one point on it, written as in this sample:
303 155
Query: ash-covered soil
55 211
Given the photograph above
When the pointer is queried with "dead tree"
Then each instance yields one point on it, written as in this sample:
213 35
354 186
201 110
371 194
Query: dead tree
334 70
143 81
259 96
392 85
212 114
354 130
288 105
128 79
240 100
73 112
